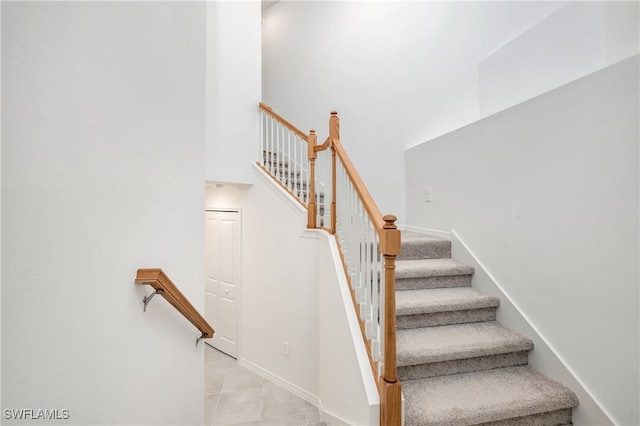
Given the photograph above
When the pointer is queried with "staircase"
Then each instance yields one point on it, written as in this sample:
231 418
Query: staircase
458 366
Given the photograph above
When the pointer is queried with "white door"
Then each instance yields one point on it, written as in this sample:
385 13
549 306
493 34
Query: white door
222 278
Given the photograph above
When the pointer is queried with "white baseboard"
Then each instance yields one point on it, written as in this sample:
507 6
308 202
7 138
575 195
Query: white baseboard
438 233
329 418
298 391
332 420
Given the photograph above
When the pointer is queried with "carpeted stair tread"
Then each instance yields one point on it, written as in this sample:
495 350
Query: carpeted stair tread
412 302
419 246
425 268
453 342
485 396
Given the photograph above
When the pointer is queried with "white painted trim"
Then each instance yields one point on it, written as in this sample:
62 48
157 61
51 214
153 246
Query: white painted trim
332 420
368 380
277 189
427 231
223 209
310 233
296 390
530 323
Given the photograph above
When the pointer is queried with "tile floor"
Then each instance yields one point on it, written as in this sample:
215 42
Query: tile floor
237 396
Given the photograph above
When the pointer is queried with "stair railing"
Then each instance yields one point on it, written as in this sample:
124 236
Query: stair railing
284 153
368 242
160 282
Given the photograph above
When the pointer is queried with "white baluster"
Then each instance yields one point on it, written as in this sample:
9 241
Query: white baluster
375 288
300 161
363 223
294 166
293 142
382 297
267 142
261 148
281 153
306 173
272 143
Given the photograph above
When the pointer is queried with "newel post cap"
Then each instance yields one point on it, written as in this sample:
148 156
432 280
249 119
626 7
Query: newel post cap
334 126
390 236
389 221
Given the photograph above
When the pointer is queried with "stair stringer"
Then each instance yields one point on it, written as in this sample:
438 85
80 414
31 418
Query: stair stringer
348 391
543 357
279 190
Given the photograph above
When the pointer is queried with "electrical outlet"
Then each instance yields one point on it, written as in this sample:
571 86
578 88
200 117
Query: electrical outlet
427 194
285 348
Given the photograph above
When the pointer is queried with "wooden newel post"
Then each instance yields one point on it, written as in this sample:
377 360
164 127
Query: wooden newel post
334 135
390 387
312 207
334 126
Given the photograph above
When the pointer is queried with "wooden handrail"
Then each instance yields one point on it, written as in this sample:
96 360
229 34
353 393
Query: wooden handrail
284 122
389 236
157 279
325 145
367 200
389 385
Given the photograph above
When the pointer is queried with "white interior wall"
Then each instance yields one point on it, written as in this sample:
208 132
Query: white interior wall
102 172
578 39
398 73
543 358
327 363
233 89
279 300
546 194
347 389
1 316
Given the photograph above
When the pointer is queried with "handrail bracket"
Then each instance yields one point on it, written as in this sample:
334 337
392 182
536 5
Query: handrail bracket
148 298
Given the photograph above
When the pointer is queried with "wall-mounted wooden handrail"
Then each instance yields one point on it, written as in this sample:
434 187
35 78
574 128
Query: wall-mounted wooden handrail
282 121
157 279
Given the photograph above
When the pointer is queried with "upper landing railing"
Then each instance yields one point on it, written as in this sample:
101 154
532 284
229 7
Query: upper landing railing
323 179
163 286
